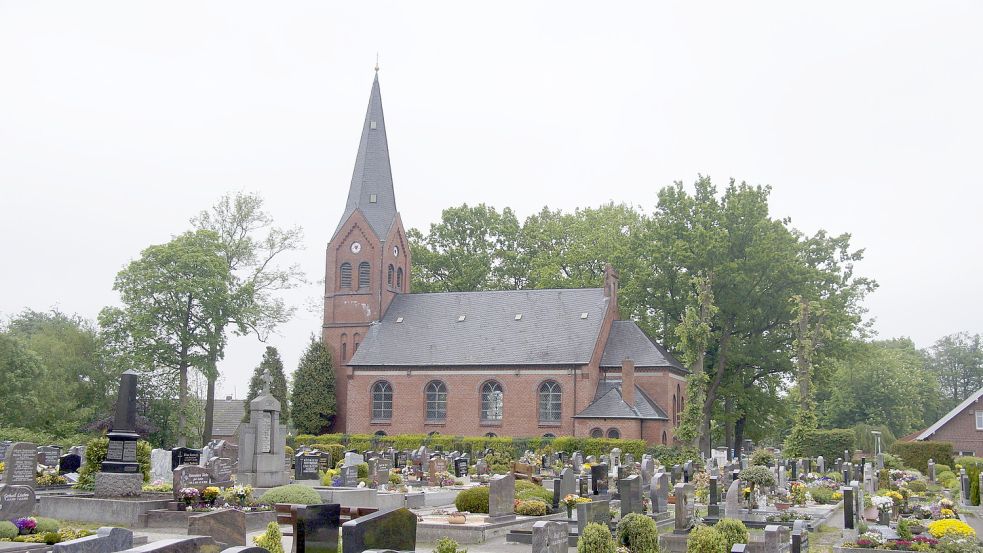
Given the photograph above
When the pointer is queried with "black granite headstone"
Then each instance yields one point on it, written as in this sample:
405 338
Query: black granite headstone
557 490
306 466
121 454
848 514
394 529
69 462
185 456
582 486
317 528
599 479
461 467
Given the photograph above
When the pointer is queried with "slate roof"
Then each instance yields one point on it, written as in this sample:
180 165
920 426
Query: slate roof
373 173
550 332
227 415
609 404
627 340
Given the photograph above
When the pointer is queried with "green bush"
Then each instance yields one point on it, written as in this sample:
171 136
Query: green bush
272 539
893 462
675 455
918 486
638 533
473 500
758 476
828 443
706 539
734 531
95 454
865 441
444 545
363 470
531 508
7 530
539 492
46 525
916 454
291 493
941 477
596 539
821 495
38 437
762 456
941 468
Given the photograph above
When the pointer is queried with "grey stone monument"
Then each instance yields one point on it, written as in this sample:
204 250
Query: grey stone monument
713 505
549 536
931 470
595 511
501 496
17 488
119 475
683 520
800 537
821 464
732 500
262 442
659 492
630 492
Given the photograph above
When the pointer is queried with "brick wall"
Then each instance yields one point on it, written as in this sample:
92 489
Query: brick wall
962 432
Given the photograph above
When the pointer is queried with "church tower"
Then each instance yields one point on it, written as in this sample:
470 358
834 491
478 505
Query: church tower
367 260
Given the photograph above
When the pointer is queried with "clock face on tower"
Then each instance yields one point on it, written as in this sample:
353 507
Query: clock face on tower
356 247
395 250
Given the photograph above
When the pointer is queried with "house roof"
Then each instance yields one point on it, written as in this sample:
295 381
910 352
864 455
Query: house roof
950 415
371 189
626 340
609 404
227 415
427 329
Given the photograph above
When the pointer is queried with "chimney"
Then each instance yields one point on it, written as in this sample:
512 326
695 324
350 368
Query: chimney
628 382
610 282
228 398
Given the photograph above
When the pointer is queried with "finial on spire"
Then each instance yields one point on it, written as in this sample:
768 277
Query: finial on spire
377 62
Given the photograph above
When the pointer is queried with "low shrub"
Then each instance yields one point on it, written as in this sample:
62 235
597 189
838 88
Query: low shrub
762 457
7 530
638 533
473 500
538 492
893 462
733 531
272 539
596 538
445 545
291 493
942 468
706 539
950 528
531 507
670 455
916 454
918 486
46 525
821 495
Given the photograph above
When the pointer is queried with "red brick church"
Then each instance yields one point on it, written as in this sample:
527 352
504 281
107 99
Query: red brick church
509 363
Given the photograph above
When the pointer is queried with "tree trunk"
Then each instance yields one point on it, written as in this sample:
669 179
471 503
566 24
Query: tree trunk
206 435
803 354
739 435
182 394
718 377
729 427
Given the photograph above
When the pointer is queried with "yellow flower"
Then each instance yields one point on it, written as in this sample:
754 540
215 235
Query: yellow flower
950 527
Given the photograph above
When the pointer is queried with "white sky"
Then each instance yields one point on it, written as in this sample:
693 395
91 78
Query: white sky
120 120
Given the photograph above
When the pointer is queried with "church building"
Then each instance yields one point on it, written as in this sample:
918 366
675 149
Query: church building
519 363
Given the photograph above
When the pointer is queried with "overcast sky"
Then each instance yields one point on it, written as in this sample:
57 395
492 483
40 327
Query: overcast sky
121 120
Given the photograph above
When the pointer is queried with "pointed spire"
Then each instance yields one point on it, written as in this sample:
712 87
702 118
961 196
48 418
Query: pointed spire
372 181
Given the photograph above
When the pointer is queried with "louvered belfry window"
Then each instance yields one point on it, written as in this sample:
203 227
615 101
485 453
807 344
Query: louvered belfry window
346 275
363 275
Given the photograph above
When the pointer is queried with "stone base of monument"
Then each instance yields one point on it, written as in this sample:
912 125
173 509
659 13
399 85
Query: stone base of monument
118 484
263 479
130 511
164 518
477 528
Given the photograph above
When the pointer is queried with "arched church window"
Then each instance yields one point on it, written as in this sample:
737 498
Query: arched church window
436 394
596 433
665 438
382 401
675 410
344 348
356 339
492 401
399 279
346 275
363 275
550 404
613 433
389 276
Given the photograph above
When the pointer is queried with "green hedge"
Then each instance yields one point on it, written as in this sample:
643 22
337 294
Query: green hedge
916 454
40 438
828 443
508 447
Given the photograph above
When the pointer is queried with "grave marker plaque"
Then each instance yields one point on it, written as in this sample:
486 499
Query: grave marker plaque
190 476
264 437
21 464
317 528
306 466
461 467
185 456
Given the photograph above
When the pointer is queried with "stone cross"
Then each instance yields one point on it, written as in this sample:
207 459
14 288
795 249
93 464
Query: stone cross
682 523
267 380
659 492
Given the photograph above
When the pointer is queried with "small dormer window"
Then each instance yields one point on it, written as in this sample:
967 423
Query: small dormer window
372 125
461 318
399 319
373 198
518 316
583 315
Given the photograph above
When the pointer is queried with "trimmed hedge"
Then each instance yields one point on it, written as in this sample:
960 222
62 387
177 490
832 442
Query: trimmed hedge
508 447
472 500
828 443
292 493
917 454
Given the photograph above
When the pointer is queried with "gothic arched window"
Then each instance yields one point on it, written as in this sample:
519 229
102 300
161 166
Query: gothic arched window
382 401
344 348
613 433
492 401
399 279
550 404
363 275
389 275
596 433
346 275
665 438
436 394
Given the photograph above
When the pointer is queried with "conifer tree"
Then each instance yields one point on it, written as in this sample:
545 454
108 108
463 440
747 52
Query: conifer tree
271 361
313 396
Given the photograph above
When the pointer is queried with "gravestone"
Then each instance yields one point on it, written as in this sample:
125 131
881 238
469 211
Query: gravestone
306 466
69 462
190 476
317 528
595 511
17 489
460 467
583 490
781 477
160 465
683 520
48 455
568 482
800 537
394 529
677 474
352 458
659 492
349 476
220 471
436 467
776 538
549 536
501 495
648 469
713 507
481 467
262 442
107 539
599 479
849 515
577 460
16 501
687 471
557 491
931 471
383 465
732 500
615 457
226 526
821 464
630 491
121 453
185 456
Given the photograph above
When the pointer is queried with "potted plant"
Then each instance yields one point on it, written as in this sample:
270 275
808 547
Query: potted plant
757 477
210 494
571 501
457 517
884 506
189 496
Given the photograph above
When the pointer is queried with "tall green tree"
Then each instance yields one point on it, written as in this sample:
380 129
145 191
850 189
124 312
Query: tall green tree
957 361
694 338
252 247
313 395
278 388
171 297
20 370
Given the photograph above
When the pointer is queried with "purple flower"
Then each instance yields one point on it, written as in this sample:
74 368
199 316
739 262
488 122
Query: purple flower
25 525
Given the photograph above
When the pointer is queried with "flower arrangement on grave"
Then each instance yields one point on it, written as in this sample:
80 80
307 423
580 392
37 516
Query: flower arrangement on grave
189 495
882 503
238 495
210 494
797 493
2 467
395 478
571 500
757 477
444 479
950 528
585 467
870 539
896 497
26 525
